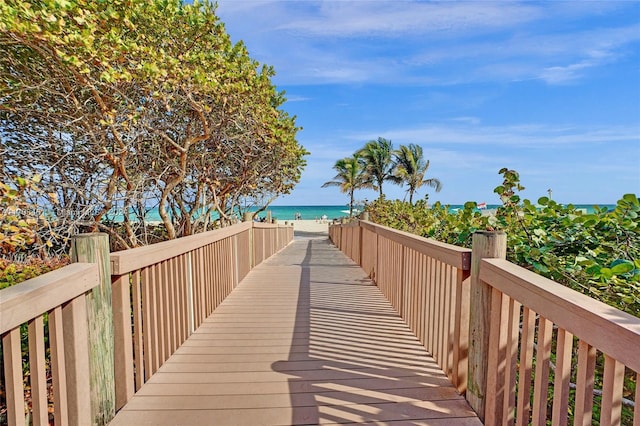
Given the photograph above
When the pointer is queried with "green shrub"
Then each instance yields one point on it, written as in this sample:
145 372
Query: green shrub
597 254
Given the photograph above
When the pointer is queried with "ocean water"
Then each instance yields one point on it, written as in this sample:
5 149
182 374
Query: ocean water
335 211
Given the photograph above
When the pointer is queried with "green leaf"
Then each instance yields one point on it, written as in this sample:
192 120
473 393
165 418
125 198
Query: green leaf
540 267
543 201
539 232
606 273
620 267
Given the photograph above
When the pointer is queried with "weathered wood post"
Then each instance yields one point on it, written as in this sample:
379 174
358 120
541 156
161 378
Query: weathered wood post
485 245
94 248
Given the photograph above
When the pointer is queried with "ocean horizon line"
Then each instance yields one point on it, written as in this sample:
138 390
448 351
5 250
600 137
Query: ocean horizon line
332 211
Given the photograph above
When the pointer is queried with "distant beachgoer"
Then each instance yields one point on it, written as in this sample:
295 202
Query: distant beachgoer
324 218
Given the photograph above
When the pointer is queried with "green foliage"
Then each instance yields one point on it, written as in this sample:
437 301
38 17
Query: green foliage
411 167
24 230
128 105
14 272
351 175
377 161
597 254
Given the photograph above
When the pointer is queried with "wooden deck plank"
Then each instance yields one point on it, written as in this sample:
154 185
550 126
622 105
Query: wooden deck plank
305 338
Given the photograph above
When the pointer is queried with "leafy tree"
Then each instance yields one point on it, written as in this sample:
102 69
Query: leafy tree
127 106
378 159
411 168
350 177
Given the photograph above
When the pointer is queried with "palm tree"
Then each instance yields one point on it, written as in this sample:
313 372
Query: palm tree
411 168
349 178
379 165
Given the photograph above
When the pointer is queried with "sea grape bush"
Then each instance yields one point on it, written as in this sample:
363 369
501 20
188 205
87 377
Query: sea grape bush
28 241
131 106
597 254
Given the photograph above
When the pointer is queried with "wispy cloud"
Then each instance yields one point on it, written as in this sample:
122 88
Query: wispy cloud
526 135
451 42
405 18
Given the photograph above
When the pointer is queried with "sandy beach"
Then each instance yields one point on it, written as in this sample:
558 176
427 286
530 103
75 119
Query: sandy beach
309 229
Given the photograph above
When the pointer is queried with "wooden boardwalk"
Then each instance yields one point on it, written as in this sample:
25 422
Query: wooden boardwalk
306 338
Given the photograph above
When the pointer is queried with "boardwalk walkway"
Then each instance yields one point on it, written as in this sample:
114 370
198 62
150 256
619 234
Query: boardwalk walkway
306 338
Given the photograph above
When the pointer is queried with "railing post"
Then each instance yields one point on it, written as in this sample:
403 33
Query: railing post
485 245
248 218
94 248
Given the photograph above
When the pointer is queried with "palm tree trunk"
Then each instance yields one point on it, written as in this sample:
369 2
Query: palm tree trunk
351 201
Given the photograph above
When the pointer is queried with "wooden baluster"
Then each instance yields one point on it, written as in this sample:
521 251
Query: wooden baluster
12 357
584 385
564 349
123 345
37 373
613 378
59 380
541 384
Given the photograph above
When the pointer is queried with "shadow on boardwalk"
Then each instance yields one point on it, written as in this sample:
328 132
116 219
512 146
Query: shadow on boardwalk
364 365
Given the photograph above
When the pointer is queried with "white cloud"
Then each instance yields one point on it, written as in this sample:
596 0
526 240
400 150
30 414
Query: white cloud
525 135
404 42
406 18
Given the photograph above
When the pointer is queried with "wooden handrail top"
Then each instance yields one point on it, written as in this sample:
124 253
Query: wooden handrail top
125 261
34 297
458 257
610 330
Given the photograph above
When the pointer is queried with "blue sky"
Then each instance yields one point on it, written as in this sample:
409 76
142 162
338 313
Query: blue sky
550 89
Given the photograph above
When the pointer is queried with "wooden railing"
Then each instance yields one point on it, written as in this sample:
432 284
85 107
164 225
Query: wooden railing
160 295
424 280
531 321
519 300
58 296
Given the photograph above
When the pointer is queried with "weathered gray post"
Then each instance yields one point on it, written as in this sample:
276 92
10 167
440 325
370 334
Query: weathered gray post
485 245
94 248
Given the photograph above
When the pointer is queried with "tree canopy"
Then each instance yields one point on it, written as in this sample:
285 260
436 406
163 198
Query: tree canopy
128 105
350 177
411 168
378 162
